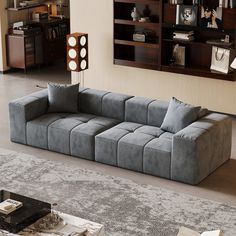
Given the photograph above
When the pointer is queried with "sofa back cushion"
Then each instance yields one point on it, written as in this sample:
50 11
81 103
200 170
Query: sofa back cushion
145 111
156 112
90 101
103 103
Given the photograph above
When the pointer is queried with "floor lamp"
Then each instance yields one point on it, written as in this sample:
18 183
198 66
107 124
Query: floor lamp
77 54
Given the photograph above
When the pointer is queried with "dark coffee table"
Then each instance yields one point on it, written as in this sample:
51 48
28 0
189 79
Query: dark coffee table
31 211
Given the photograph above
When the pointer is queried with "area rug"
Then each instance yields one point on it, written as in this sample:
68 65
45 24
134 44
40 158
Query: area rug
124 207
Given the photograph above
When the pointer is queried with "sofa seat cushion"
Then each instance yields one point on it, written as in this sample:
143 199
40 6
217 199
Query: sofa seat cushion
67 133
137 147
157 157
82 139
37 129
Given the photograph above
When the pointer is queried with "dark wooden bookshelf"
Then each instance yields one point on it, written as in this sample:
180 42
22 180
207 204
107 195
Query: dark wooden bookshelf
133 53
198 71
139 1
137 64
136 44
25 8
198 52
149 25
157 55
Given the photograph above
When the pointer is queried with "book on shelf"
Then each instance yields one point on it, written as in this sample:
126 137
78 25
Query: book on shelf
183 231
225 3
186 15
232 3
187 38
9 205
191 32
184 35
175 1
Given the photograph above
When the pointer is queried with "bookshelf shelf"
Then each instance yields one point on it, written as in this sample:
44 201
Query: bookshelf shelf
158 55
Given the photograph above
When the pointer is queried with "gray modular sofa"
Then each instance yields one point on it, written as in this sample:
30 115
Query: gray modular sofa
124 131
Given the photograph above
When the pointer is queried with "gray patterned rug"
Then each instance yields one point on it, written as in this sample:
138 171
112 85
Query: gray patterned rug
124 207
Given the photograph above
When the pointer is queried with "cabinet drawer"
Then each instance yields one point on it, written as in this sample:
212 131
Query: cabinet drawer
29 59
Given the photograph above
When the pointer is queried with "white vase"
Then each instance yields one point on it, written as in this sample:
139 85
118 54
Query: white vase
135 14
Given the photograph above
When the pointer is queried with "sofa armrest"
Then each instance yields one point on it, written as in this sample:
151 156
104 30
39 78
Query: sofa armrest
24 109
200 148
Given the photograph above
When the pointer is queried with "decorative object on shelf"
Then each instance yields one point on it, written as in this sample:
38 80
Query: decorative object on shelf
225 3
211 15
77 52
135 14
40 15
144 19
179 55
22 4
186 15
233 64
221 42
139 37
220 59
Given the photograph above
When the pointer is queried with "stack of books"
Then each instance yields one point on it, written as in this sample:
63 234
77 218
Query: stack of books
9 205
183 35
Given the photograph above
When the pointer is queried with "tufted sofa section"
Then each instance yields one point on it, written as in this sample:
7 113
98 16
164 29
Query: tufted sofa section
124 131
138 143
66 133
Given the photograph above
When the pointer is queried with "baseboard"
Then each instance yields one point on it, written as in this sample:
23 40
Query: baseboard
7 71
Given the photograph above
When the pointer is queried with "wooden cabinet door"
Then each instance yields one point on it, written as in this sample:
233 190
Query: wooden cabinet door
16 51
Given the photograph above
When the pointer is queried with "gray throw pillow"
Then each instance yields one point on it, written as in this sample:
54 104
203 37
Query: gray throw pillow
63 98
179 115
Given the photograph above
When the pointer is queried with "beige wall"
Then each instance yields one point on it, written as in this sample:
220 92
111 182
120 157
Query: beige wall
3 31
96 19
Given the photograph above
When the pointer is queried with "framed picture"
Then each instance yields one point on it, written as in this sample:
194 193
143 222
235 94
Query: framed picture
186 15
211 14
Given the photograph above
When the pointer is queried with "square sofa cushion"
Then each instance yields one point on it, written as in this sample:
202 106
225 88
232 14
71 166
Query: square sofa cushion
179 115
63 98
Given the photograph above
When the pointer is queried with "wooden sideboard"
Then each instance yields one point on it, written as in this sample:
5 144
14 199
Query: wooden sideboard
44 46
24 51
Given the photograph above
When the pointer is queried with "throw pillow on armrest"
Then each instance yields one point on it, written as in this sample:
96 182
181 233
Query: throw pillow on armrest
179 115
203 112
63 98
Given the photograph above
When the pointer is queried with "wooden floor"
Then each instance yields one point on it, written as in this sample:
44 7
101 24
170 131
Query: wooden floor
219 186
